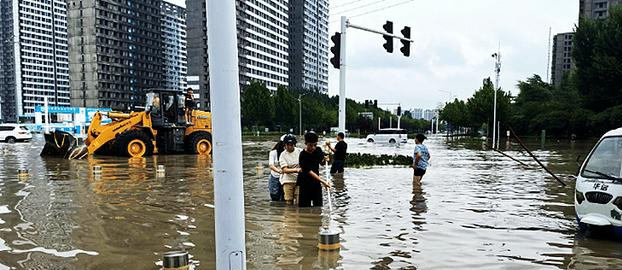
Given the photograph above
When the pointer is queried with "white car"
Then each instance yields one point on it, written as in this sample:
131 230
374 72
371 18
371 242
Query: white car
388 135
12 133
598 189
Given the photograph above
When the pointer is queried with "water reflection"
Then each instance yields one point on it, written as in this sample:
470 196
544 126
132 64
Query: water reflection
475 209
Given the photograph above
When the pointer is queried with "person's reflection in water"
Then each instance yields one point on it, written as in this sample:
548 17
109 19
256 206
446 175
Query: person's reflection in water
418 203
298 238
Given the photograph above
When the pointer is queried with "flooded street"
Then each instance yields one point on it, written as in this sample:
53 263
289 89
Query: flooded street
475 210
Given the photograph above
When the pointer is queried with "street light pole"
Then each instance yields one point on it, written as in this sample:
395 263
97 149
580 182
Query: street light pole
497 57
300 112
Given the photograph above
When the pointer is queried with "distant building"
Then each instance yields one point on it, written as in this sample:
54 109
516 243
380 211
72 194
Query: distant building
173 27
417 113
561 62
596 9
308 44
429 114
33 55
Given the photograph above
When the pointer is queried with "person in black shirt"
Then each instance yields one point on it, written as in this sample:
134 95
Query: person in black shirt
309 181
339 159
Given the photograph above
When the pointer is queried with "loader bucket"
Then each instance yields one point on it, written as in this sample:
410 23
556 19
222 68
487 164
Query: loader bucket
63 144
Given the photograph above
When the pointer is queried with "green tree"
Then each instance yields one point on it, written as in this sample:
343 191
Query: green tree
257 105
597 54
285 108
456 114
480 105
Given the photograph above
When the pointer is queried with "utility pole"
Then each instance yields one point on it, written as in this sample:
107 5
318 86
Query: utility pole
300 113
227 135
497 57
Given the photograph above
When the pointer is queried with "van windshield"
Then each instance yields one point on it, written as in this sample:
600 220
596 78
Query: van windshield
606 160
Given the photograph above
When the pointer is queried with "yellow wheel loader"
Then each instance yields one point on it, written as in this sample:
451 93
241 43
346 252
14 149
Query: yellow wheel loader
160 129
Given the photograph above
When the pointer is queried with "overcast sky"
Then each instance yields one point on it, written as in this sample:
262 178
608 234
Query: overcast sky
454 40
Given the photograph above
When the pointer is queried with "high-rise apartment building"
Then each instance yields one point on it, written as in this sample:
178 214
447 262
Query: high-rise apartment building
263 43
173 27
33 56
562 56
196 21
308 44
596 9
115 51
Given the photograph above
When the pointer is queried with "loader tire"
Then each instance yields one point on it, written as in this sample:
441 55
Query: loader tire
199 143
134 143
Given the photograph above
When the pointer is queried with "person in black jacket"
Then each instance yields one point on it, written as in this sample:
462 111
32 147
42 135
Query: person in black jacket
309 181
339 158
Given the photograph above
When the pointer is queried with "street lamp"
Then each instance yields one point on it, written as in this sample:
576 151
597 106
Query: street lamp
497 57
300 112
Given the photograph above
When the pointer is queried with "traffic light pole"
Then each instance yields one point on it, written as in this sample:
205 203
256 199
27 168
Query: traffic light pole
342 76
342 65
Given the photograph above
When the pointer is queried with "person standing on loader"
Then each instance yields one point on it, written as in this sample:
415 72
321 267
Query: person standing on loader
189 102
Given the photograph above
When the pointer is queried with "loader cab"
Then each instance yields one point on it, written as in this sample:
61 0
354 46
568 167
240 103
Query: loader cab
166 108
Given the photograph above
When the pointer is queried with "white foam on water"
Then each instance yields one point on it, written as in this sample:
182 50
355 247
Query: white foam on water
4 209
53 252
181 217
183 233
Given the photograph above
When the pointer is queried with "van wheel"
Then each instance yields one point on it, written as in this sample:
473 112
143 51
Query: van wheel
134 143
392 141
199 143
370 140
10 140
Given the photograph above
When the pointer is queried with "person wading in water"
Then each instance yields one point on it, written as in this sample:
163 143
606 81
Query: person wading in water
339 159
309 180
289 167
274 185
421 159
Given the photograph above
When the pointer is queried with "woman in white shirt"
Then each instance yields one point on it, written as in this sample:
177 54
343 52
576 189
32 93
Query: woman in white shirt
274 185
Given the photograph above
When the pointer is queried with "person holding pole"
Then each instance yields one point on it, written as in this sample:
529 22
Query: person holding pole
309 180
339 159
421 158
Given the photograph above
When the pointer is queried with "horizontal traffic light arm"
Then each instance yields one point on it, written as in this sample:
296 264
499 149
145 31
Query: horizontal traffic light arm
348 24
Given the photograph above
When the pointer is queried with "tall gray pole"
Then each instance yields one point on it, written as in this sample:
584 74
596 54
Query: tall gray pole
227 135
300 113
342 76
497 57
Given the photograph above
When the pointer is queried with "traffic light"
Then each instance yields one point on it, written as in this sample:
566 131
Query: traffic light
405 44
399 110
388 44
336 50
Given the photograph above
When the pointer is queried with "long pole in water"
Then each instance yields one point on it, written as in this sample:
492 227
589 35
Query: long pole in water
536 159
227 136
330 200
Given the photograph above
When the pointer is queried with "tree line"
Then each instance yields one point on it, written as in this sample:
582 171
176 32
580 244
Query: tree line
585 104
279 110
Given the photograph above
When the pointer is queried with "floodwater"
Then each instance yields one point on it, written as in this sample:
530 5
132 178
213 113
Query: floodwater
475 210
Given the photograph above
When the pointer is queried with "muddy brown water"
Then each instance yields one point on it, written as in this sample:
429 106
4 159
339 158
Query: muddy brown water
475 210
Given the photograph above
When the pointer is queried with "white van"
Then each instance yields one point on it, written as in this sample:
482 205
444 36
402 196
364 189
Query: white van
12 133
388 135
598 189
